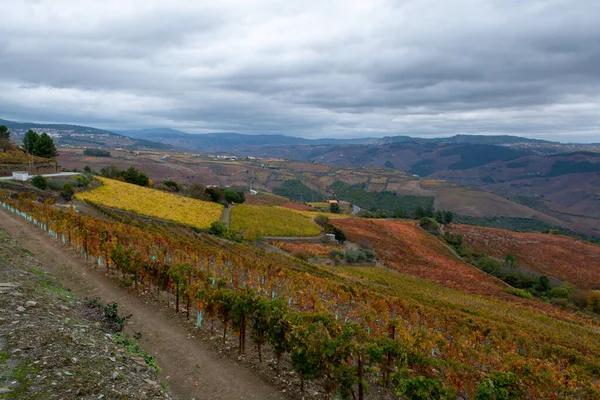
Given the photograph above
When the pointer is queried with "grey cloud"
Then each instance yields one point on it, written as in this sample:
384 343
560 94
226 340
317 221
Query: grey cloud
431 67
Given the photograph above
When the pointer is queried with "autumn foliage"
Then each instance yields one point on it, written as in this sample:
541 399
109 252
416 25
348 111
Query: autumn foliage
153 203
350 327
562 257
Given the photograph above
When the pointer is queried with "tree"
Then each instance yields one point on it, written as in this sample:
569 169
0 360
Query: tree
96 153
133 175
29 141
439 216
44 147
448 217
232 196
5 138
218 228
197 191
430 225
67 192
339 234
334 208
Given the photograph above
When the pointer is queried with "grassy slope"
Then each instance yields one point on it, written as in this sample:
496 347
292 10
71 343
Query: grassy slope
563 257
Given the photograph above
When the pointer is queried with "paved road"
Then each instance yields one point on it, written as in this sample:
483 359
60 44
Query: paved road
59 174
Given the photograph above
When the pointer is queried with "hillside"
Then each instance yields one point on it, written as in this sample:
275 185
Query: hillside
562 257
410 250
75 135
308 181
445 315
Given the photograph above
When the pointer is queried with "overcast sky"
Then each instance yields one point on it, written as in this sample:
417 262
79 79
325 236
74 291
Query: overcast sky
306 68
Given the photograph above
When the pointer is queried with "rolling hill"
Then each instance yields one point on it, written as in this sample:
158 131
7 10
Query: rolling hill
77 136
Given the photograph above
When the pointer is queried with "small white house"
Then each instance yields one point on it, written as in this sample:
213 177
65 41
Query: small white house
20 176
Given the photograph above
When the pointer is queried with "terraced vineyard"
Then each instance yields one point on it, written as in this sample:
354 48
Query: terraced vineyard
255 221
346 327
153 203
408 249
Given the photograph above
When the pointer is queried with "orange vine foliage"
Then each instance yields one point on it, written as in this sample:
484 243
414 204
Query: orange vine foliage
409 249
563 257
447 334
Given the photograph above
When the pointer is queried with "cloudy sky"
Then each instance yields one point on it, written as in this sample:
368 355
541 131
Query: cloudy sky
307 68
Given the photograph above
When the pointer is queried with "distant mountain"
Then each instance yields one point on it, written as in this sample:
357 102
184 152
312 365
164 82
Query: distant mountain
81 136
230 141
465 139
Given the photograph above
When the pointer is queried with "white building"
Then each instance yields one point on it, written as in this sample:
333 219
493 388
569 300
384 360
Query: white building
20 176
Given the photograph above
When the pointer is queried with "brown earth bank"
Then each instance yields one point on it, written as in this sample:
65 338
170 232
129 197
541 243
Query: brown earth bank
53 346
191 369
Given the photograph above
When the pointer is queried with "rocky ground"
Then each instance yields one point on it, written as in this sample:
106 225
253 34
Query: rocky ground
53 346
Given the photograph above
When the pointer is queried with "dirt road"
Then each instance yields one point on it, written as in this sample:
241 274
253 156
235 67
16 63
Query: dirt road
194 371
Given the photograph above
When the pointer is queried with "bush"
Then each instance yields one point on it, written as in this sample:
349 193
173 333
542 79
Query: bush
519 292
336 255
96 153
593 302
370 254
40 182
559 293
361 255
501 385
67 191
218 228
322 220
352 256
430 225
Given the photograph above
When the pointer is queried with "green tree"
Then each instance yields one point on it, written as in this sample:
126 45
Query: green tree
448 217
5 138
334 208
135 176
232 196
339 234
439 217
67 191
29 141
44 147
218 228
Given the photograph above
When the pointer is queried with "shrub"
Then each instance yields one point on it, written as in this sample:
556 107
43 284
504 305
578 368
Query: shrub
352 256
322 220
218 228
96 153
361 255
559 293
370 254
40 182
430 225
593 302
519 292
67 191
336 255
501 385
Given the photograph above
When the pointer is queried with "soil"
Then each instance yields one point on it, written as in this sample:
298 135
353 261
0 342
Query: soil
191 368
55 347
